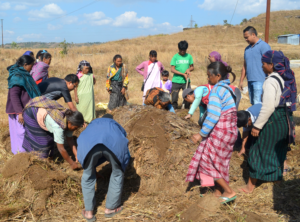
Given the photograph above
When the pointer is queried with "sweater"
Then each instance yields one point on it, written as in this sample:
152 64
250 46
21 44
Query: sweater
144 65
270 99
220 100
17 99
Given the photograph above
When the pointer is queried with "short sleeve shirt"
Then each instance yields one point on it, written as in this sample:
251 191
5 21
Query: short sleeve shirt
55 88
57 131
252 56
181 63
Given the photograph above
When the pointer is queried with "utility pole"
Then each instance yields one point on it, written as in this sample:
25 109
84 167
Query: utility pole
267 21
191 22
2 32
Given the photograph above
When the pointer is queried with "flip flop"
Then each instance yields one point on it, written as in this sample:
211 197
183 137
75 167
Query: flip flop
243 190
227 200
87 219
116 211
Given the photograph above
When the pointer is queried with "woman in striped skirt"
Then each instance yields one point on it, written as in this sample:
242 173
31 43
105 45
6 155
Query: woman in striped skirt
274 128
84 94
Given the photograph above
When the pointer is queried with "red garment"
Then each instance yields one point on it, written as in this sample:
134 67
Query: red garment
205 99
38 81
214 152
232 87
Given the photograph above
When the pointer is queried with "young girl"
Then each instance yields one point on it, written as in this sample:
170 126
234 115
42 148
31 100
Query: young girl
165 83
84 94
151 72
274 124
218 134
39 71
117 83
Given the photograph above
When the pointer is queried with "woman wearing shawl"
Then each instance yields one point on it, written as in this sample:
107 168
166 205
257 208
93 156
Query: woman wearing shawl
84 94
151 71
39 71
21 89
274 128
117 83
46 122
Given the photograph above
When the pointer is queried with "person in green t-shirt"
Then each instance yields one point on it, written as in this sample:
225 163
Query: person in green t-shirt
181 65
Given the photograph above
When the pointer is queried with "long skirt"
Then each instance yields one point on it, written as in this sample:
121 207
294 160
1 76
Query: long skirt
268 151
17 132
116 98
86 98
213 155
36 139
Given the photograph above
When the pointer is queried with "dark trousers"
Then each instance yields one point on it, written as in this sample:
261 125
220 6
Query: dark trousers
175 91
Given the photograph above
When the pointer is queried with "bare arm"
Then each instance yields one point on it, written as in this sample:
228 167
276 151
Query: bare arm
189 70
173 70
66 156
245 138
72 144
243 75
76 96
71 106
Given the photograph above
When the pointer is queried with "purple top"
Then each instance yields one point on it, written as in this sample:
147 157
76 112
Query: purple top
17 99
168 85
39 71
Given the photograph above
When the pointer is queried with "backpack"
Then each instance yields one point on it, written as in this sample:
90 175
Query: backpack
157 97
205 99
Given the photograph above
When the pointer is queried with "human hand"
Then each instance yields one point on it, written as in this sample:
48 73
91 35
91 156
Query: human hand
109 91
196 138
188 116
123 91
186 76
77 100
241 86
188 72
255 132
21 120
74 166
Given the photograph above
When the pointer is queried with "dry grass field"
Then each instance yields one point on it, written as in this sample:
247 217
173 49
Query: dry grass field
224 39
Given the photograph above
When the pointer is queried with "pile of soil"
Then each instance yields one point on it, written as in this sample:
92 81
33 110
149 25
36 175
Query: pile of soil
154 186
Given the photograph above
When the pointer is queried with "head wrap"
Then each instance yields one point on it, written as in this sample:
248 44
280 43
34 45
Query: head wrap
282 67
84 63
28 53
217 57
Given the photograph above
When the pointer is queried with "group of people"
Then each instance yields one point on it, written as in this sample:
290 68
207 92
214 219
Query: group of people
37 121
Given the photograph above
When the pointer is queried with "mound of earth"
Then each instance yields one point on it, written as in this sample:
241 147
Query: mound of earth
154 187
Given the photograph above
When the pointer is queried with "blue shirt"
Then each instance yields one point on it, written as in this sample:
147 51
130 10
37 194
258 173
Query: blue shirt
254 112
199 92
107 132
252 56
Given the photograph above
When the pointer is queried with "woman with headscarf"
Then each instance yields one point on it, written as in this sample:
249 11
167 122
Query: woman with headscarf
117 83
274 127
39 71
21 89
46 123
216 57
84 94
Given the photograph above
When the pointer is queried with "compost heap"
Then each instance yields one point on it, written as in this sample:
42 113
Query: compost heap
154 186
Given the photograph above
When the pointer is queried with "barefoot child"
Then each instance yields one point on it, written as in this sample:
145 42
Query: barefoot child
218 134
84 94
165 83
246 119
274 127
198 98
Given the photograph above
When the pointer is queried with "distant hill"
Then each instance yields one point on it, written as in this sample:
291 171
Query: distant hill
46 45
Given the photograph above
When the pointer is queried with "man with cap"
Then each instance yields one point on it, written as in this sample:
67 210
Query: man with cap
103 140
198 98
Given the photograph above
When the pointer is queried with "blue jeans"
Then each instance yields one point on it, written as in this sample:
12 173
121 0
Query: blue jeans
255 91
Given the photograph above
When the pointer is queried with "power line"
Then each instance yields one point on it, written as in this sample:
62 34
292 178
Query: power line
231 18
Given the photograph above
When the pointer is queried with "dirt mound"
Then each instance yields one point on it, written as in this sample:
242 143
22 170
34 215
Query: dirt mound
28 184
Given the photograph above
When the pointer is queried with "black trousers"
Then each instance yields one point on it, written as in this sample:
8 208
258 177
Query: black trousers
176 87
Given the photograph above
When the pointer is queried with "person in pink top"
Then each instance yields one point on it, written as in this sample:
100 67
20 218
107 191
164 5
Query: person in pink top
151 71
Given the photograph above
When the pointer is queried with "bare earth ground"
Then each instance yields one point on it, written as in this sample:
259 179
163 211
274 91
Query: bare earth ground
33 190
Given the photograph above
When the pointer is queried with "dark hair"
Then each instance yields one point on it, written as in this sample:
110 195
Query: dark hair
153 53
117 57
108 116
165 73
45 55
242 118
40 54
183 45
216 68
75 118
31 54
72 78
250 30
25 59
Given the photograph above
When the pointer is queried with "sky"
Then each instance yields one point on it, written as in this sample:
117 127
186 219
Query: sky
80 21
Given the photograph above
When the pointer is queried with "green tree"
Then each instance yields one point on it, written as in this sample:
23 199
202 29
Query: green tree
245 20
196 25
65 45
225 22
14 45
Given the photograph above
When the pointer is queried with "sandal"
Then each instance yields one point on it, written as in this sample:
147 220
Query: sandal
227 200
88 219
116 211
